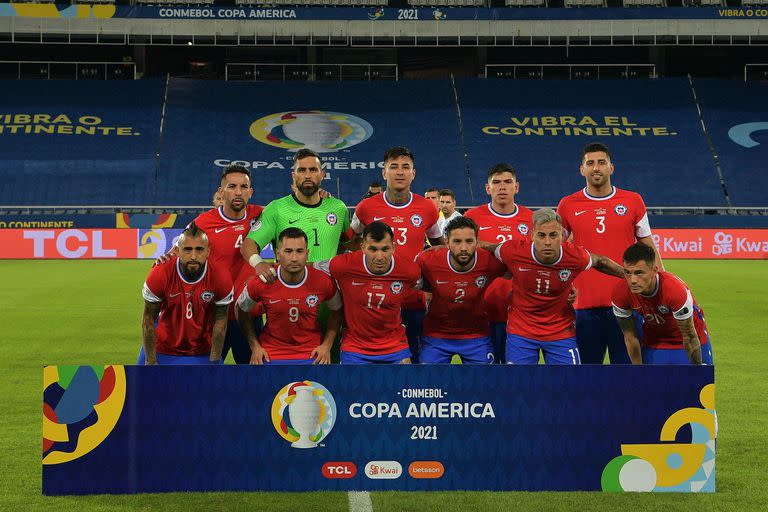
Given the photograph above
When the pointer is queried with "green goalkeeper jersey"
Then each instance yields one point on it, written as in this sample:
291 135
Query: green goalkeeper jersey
323 224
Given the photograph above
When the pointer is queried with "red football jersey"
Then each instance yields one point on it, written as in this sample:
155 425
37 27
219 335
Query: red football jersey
225 236
292 330
412 222
453 313
672 300
602 225
495 227
372 302
540 308
188 308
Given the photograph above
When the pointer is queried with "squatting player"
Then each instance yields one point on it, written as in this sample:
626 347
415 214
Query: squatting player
604 219
412 218
674 329
292 334
226 226
373 284
500 220
540 317
457 276
190 295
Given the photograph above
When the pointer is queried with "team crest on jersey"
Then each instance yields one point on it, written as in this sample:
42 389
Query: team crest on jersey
331 219
416 220
206 296
481 281
312 300
396 287
252 223
620 209
522 228
663 309
564 275
255 225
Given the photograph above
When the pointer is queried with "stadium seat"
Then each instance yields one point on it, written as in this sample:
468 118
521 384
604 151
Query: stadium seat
584 3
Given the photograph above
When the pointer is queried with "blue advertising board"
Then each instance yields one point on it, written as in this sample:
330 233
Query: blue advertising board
131 429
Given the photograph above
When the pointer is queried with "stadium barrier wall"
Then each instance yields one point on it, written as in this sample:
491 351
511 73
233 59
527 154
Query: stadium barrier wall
133 429
151 243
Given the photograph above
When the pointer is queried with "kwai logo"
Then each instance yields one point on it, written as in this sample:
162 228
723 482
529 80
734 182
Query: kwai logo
320 131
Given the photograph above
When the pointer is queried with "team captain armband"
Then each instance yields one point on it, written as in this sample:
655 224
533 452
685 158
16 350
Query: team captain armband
621 312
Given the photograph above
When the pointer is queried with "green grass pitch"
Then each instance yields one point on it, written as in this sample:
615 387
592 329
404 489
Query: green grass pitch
73 312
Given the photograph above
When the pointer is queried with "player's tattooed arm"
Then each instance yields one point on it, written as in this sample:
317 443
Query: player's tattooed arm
631 339
606 266
219 331
487 246
151 311
691 341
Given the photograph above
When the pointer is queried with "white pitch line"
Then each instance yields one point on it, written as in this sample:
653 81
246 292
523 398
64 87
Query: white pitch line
360 501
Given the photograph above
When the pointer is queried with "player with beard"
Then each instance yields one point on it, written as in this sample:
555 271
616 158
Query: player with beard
457 276
185 306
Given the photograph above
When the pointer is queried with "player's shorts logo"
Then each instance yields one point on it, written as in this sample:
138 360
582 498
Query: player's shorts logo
331 219
320 131
416 220
663 309
481 281
396 287
303 413
206 296
522 228
620 209
312 300
564 275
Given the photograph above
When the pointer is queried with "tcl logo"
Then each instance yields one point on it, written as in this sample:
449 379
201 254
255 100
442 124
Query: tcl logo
339 469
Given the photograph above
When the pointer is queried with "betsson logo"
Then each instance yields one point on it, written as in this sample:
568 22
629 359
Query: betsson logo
426 469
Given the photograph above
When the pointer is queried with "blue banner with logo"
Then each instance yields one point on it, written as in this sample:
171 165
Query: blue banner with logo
650 126
128 429
262 124
736 116
74 143
240 12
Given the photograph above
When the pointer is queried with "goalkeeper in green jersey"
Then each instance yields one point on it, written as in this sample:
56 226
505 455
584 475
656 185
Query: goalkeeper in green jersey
324 220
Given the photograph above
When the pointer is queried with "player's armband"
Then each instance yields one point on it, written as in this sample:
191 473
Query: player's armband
225 301
245 302
148 295
686 311
323 266
621 312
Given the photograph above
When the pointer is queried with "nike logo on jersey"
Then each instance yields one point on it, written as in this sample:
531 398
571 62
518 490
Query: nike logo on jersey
355 283
274 301
219 230
579 213
521 269
378 218
441 282
481 228
294 221
174 295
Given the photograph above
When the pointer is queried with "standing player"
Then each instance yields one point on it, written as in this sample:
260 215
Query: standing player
187 297
373 285
322 219
607 220
540 317
674 329
457 276
226 226
447 205
412 218
498 221
292 334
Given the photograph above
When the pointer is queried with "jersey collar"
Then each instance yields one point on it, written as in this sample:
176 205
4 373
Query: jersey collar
503 215
220 209
398 206
533 254
655 289
181 273
595 198
391 267
450 263
289 285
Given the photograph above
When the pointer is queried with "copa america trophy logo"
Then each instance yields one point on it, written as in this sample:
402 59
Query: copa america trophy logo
320 131
303 413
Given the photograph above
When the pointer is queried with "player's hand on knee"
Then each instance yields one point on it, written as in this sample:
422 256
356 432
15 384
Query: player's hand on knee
266 272
322 355
259 355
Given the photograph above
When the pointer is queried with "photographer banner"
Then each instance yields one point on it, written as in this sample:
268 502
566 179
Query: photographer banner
132 429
